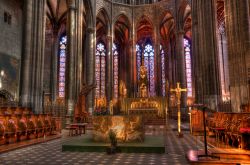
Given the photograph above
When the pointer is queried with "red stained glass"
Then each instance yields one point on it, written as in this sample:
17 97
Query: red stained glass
163 75
100 69
116 69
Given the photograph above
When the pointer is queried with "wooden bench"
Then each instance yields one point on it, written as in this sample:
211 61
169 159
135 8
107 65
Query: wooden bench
231 128
19 123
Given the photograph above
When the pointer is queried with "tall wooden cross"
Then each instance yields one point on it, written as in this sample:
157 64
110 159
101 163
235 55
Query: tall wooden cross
178 91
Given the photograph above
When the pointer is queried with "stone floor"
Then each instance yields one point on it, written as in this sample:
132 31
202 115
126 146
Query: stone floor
50 153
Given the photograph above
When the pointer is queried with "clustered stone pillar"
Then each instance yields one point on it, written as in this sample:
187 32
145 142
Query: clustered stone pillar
54 61
181 69
70 71
33 55
132 54
26 55
196 63
79 46
90 66
109 77
238 35
171 62
157 55
206 55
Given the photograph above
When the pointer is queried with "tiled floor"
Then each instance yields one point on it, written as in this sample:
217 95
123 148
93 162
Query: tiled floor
50 153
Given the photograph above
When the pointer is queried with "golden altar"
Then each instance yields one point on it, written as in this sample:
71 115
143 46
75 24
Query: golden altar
151 106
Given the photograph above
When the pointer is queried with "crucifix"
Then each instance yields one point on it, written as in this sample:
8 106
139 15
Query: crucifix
178 91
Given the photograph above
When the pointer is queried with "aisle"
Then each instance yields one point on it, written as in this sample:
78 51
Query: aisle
50 153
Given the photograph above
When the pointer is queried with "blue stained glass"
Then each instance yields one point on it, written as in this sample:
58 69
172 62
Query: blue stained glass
100 70
148 54
187 51
163 74
116 69
138 58
62 69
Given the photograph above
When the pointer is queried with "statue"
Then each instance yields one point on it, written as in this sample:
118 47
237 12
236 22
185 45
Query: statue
80 111
178 91
111 107
143 81
122 89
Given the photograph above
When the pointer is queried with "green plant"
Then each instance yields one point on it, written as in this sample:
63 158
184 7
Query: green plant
112 138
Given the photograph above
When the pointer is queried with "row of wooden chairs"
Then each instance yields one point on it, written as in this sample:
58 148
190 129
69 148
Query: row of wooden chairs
231 128
19 123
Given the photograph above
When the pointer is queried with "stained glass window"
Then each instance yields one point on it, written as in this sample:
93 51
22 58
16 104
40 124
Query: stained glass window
62 65
149 63
187 51
163 74
138 60
148 54
100 70
116 69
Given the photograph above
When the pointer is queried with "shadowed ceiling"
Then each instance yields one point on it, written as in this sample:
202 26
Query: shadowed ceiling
144 29
167 26
220 15
56 11
102 24
121 29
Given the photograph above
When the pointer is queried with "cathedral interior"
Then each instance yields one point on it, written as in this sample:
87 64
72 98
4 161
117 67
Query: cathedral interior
147 81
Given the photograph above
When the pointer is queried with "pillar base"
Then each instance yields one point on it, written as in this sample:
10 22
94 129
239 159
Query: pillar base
69 119
180 135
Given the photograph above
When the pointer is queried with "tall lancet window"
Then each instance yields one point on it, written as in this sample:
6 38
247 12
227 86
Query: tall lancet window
62 65
163 73
116 69
138 60
100 69
148 56
187 51
149 63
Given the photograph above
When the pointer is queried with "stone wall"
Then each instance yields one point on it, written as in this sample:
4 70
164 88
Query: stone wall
48 52
11 44
11 34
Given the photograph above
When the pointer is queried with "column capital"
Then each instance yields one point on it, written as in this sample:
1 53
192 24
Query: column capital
109 37
71 4
180 32
131 41
90 30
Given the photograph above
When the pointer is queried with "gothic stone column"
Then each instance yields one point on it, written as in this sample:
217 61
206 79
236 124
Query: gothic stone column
157 69
54 61
90 66
181 69
26 54
70 69
133 79
37 55
206 56
238 34
109 77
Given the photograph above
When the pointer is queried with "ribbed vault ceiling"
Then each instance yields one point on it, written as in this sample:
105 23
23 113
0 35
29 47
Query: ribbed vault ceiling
56 10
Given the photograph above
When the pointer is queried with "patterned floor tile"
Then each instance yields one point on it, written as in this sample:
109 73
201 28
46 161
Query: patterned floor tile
50 152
